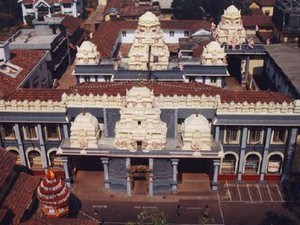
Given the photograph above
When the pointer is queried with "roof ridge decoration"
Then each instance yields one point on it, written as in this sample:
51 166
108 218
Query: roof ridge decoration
32 106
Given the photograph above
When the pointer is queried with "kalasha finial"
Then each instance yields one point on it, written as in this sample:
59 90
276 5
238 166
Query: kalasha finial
50 174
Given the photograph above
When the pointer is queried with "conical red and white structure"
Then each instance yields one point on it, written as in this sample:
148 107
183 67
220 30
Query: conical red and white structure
53 193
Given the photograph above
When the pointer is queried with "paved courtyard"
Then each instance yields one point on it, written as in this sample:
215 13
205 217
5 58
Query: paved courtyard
233 204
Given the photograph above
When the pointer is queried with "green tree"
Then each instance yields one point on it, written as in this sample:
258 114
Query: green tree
13 9
215 8
188 9
153 217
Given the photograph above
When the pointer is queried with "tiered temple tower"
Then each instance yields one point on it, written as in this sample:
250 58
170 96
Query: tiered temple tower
230 30
149 50
87 53
140 127
53 193
213 55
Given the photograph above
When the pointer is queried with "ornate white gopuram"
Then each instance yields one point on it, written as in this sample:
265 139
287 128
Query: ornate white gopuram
230 30
88 54
140 127
84 131
148 45
196 133
213 54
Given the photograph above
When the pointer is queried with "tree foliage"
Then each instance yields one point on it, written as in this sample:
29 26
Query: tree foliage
153 217
188 9
13 11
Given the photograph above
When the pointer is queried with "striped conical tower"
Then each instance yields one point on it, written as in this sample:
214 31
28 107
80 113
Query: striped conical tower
53 193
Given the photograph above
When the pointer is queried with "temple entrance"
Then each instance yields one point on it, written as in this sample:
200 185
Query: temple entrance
139 175
87 163
194 175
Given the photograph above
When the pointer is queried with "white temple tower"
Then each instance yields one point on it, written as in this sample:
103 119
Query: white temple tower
149 48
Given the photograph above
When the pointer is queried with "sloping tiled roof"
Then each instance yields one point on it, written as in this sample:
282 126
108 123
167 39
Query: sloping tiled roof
107 33
48 1
43 221
166 89
38 94
179 88
7 163
262 21
266 2
70 22
20 196
25 59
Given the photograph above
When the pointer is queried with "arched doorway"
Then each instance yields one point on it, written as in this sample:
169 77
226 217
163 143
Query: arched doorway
252 163
275 161
15 151
34 159
54 160
229 163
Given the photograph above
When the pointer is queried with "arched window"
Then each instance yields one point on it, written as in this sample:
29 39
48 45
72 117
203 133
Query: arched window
229 164
34 159
252 164
15 152
274 163
55 160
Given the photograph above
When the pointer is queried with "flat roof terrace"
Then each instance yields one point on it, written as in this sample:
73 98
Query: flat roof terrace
287 58
28 39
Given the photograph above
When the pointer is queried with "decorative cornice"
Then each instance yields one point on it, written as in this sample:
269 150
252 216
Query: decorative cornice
32 106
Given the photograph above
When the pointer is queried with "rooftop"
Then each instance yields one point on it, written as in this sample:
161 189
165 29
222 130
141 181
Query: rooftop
166 89
26 60
287 57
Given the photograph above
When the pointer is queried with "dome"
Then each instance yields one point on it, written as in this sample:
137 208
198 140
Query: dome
53 193
86 118
148 19
232 11
195 121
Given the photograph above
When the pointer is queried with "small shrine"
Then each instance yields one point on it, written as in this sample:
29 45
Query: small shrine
87 54
84 131
53 194
196 133
149 51
140 127
230 30
213 54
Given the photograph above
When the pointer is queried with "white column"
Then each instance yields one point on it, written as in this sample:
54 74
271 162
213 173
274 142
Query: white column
66 132
20 145
151 177
214 182
217 133
42 147
242 153
174 183
66 170
128 179
105 167
265 156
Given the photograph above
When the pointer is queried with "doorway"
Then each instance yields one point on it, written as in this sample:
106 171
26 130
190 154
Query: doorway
139 175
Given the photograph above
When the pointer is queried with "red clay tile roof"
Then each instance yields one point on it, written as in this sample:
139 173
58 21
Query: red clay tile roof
7 163
27 60
178 88
38 94
21 195
48 1
3 214
197 52
166 89
257 11
262 21
106 34
43 221
266 2
265 35
70 22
